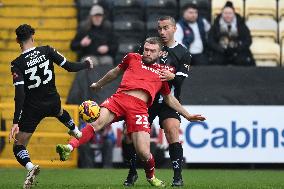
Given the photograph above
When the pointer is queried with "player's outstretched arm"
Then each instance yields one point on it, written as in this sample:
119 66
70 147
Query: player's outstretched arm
110 76
60 60
77 66
174 103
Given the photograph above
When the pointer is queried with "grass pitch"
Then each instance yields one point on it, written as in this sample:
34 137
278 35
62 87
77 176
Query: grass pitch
113 179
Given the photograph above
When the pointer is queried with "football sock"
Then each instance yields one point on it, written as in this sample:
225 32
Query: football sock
87 133
149 167
66 119
176 155
130 156
70 147
29 166
22 156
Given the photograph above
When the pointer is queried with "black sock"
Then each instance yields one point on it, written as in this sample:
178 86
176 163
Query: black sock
21 154
176 154
66 119
129 155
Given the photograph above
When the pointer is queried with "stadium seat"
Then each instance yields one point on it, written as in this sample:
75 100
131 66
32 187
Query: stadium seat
125 48
35 12
8 56
161 3
281 30
106 4
282 53
161 7
268 56
42 34
84 6
61 46
43 23
128 10
261 7
60 80
262 27
4 68
38 2
280 9
151 29
11 45
129 31
202 4
217 6
7 90
204 7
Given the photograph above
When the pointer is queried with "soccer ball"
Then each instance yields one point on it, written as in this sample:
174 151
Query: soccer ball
89 111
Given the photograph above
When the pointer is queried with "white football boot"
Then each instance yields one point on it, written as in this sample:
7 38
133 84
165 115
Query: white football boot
31 177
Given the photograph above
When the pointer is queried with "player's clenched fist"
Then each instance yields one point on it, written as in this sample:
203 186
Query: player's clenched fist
91 63
96 87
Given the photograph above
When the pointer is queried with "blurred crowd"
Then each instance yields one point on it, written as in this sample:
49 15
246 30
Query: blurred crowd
226 42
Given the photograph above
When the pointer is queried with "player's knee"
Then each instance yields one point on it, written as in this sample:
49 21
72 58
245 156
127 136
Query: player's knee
172 134
143 154
21 140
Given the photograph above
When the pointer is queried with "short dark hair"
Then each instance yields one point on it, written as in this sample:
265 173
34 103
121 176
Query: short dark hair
189 6
170 18
154 40
24 32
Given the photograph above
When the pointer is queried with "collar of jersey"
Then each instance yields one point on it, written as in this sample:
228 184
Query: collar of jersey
174 45
28 50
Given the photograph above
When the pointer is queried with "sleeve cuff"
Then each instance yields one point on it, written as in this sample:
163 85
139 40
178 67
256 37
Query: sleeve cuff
19 83
63 62
181 74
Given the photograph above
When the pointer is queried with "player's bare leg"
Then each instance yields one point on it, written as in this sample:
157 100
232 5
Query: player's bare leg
105 118
171 128
141 141
22 156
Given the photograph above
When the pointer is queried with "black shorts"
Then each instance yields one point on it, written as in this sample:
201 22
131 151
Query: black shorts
163 111
34 112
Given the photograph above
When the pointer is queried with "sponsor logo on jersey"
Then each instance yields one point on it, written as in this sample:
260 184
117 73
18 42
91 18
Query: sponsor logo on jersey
150 69
186 66
164 57
158 67
33 55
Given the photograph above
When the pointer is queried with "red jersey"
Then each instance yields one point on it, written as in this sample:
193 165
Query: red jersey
142 76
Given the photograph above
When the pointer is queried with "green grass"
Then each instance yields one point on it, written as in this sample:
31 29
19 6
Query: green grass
113 179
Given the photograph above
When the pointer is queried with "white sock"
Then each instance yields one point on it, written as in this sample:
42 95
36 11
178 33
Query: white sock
29 166
76 129
70 147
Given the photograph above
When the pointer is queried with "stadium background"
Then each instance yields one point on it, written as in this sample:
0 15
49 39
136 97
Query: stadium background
256 92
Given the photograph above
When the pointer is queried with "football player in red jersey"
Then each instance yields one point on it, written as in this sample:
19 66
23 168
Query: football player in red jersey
140 84
177 58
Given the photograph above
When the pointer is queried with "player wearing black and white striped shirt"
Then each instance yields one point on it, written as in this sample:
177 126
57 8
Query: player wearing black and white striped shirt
36 96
